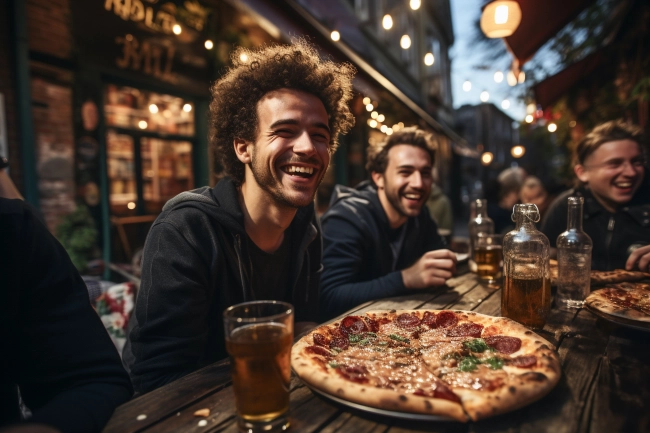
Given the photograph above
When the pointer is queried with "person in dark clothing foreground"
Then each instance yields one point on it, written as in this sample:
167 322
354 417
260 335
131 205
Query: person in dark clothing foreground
378 238
56 352
610 165
275 120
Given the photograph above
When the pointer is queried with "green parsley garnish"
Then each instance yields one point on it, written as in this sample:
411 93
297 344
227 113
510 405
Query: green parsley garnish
477 345
468 363
399 338
495 363
354 338
371 335
364 342
333 364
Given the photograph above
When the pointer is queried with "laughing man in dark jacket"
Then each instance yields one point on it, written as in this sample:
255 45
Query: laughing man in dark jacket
610 165
378 239
275 119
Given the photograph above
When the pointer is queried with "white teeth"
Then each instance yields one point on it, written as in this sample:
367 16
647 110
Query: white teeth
296 169
412 196
624 184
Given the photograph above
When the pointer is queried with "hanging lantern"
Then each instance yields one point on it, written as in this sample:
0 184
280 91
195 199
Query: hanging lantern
500 18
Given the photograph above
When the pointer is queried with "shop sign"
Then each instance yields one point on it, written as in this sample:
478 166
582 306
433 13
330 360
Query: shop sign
163 40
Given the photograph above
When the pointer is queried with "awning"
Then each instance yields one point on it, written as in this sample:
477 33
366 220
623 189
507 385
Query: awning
551 89
540 21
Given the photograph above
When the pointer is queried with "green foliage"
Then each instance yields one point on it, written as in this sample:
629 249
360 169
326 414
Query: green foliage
78 235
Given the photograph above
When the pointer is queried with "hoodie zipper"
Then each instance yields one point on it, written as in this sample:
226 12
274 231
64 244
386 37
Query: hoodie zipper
609 236
241 271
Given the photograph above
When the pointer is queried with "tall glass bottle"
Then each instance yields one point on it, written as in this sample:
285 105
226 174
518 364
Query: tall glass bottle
527 286
574 259
479 222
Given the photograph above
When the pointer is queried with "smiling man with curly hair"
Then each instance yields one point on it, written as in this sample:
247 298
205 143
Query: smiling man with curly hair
275 118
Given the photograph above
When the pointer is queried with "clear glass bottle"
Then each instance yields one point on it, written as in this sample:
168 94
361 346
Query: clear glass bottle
526 294
574 259
479 222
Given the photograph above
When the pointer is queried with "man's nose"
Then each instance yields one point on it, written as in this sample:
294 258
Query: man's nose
304 144
416 180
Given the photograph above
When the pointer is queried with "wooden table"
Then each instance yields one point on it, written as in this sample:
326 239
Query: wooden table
605 384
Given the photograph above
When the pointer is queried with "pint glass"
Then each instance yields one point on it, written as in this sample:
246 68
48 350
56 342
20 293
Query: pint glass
259 336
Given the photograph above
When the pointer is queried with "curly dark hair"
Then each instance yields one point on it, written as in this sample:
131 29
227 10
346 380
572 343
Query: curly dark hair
377 155
254 73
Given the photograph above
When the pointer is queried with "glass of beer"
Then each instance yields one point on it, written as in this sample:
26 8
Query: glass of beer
488 255
259 336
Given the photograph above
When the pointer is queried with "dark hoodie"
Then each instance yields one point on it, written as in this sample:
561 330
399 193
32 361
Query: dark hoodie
358 261
196 264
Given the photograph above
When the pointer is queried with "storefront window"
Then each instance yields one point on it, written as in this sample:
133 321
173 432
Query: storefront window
127 107
121 172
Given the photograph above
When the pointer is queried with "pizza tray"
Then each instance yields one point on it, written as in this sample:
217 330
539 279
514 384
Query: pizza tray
376 411
634 324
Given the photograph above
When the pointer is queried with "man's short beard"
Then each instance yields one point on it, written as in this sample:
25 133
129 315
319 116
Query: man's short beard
268 183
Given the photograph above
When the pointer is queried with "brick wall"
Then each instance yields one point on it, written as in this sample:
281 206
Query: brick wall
7 86
49 27
53 130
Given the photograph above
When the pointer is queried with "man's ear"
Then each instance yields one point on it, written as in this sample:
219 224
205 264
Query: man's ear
242 150
581 173
378 178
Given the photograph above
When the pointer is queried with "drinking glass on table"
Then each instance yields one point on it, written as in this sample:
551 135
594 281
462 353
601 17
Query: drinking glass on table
259 336
488 255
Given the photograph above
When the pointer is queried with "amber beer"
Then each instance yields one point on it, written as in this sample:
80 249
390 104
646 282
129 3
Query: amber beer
488 260
526 300
258 339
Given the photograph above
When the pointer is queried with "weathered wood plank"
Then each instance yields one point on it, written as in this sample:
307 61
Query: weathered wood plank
169 399
622 390
490 305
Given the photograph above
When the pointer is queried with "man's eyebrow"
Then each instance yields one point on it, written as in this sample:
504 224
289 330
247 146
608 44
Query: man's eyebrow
427 167
295 122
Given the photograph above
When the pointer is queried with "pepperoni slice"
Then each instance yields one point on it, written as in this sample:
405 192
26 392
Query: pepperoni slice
341 343
438 390
353 325
446 319
503 343
524 361
429 319
373 325
318 350
353 373
465 330
407 321
319 339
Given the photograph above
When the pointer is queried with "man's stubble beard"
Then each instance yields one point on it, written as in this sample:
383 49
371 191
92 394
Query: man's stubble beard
275 188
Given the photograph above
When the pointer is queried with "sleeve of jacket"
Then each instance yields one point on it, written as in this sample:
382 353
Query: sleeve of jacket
343 255
69 372
171 310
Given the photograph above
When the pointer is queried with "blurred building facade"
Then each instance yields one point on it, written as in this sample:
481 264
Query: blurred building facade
486 129
105 101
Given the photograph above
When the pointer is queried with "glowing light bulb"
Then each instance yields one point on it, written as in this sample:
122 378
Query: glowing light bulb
467 86
335 35
405 42
387 22
142 124
498 76
177 29
429 59
487 158
153 108
552 127
415 5
381 118
485 96
373 123
369 107
366 101
511 79
505 104
383 128
209 44
187 108
529 118
243 57
374 114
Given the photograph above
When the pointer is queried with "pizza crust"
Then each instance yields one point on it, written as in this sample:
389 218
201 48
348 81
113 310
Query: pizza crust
639 293
523 385
599 278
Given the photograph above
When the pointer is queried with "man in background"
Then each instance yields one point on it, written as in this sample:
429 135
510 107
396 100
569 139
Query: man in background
610 168
378 239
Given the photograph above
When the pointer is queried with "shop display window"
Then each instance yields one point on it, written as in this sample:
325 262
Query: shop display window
121 171
131 108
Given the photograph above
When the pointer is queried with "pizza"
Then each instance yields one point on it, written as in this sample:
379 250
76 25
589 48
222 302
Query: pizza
599 278
626 300
457 364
